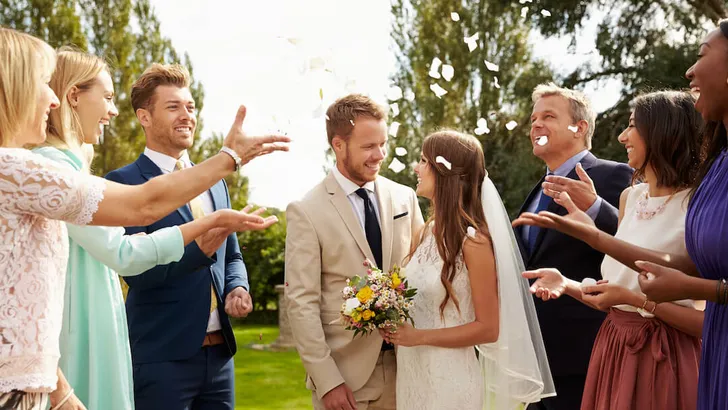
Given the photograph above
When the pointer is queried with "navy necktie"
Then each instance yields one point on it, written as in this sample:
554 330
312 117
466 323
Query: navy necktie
371 228
533 231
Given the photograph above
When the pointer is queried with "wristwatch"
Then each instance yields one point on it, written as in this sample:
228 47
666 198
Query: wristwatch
234 155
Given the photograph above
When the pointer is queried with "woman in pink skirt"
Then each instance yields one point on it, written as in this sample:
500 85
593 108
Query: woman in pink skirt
646 355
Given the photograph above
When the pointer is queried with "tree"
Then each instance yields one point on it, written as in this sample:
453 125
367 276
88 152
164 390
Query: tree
424 30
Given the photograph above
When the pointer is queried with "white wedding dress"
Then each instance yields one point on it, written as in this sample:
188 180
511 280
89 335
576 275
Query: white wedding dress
431 377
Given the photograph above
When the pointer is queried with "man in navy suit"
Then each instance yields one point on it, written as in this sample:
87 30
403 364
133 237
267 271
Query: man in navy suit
562 124
181 339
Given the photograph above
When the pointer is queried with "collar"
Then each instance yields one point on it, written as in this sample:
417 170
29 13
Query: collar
565 168
347 185
164 161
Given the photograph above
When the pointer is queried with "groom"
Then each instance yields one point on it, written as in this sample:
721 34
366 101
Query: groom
352 215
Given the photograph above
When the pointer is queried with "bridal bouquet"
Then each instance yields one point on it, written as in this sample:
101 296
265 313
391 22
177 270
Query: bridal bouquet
377 300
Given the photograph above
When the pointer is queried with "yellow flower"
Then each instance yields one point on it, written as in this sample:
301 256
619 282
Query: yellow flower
367 314
396 281
364 294
356 316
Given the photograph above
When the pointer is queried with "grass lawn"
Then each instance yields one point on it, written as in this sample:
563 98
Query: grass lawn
267 380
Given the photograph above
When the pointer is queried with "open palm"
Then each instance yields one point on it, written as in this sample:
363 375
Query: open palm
575 223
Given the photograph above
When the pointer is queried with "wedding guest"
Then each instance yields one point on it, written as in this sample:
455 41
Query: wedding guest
628 358
95 353
35 194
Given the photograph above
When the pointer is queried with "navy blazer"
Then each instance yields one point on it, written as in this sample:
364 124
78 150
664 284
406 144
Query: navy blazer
568 326
168 306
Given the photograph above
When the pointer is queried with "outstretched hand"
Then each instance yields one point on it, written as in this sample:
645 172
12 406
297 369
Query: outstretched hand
575 223
549 284
249 147
245 220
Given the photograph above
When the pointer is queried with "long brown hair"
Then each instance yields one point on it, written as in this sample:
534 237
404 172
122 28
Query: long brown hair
456 204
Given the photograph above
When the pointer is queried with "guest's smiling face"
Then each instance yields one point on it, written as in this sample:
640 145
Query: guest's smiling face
709 77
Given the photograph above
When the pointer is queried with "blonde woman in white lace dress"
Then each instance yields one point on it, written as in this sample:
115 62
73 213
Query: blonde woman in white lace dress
35 196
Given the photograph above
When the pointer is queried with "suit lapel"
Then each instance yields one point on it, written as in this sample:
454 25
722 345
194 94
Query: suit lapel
343 207
386 222
148 169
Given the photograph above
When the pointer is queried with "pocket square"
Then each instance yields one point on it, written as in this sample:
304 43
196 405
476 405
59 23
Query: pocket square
403 214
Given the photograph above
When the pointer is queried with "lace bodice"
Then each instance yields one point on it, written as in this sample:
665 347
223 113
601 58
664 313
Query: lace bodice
431 377
35 195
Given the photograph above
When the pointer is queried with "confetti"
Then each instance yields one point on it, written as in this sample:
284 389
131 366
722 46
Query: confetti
434 67
440 160
409 95
448 72
471 231
573 128
455 16
525 1
394 93
491 66
545 13
395 109
321 93
327 117
524 12
393 129
588 282
482 127
439 91
511 125
352 123
495 82
400 151
472 41
396 165
650 276
542 140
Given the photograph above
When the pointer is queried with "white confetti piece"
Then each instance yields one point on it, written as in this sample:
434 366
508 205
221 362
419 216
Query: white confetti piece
542 140
491 66
588 282
396 166
435 67
482 127
573 128
316 63
327 117
472 41
394 93
352 123
455 16
511 125
495 82
448 72
409 95
393 129
524 12
395 109
440 160
399 151
650 276
545 13
439 91
471 232
525 1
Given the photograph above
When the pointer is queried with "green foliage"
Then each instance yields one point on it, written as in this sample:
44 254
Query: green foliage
424 30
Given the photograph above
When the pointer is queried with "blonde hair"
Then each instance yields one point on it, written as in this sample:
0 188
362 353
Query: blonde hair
342 114
73 69
143 89
581 108
24 62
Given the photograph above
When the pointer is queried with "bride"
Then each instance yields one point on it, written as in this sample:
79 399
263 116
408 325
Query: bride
476 342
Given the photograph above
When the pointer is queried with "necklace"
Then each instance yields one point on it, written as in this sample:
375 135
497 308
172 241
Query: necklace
643 212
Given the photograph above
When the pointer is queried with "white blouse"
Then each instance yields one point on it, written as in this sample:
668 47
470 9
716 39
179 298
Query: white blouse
35 195
664 232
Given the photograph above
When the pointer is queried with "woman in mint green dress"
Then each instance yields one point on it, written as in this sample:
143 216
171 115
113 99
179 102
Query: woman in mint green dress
95 352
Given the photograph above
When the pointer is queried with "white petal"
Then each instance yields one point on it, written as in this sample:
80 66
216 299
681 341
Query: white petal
439 91
395 109
400 151
573 128
471 232
393 129
542 140
409 95
434 74
472 41
511 125
327 117
491 66
588 282
447 72
440 160
455 16
524 12
495 82
482 123
396 165
545 13
394 93
472 45
352 123
435 67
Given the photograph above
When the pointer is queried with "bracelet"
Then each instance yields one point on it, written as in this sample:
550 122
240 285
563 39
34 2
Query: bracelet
234 155
644 305
64 400
654 306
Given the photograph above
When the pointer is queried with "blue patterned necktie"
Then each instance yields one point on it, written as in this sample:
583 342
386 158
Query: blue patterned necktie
533 231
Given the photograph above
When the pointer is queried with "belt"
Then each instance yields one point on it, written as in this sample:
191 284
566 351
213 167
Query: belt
213 339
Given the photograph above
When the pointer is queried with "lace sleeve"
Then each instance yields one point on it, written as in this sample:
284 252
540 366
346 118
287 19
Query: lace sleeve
31 184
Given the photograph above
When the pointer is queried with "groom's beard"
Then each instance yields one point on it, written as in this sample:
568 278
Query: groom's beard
356 175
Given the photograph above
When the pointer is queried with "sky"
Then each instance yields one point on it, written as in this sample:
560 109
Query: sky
287 60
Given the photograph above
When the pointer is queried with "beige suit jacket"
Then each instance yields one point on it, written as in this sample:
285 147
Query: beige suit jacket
325 245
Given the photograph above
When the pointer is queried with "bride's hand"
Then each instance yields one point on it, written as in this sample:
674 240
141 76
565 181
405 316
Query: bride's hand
403 335
576 223
549 284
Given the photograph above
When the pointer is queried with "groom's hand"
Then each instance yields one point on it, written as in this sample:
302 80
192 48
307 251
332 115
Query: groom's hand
340 398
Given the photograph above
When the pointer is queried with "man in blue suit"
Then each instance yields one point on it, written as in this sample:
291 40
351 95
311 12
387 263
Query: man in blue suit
181 339
562 124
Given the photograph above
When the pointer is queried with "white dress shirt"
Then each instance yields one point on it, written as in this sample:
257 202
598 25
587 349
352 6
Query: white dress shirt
357 203
167 165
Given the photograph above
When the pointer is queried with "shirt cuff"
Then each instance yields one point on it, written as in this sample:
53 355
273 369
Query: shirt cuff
593 210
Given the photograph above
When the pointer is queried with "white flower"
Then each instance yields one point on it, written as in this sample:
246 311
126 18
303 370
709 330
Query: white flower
350 305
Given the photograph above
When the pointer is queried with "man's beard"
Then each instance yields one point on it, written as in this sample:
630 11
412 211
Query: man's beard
353 172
